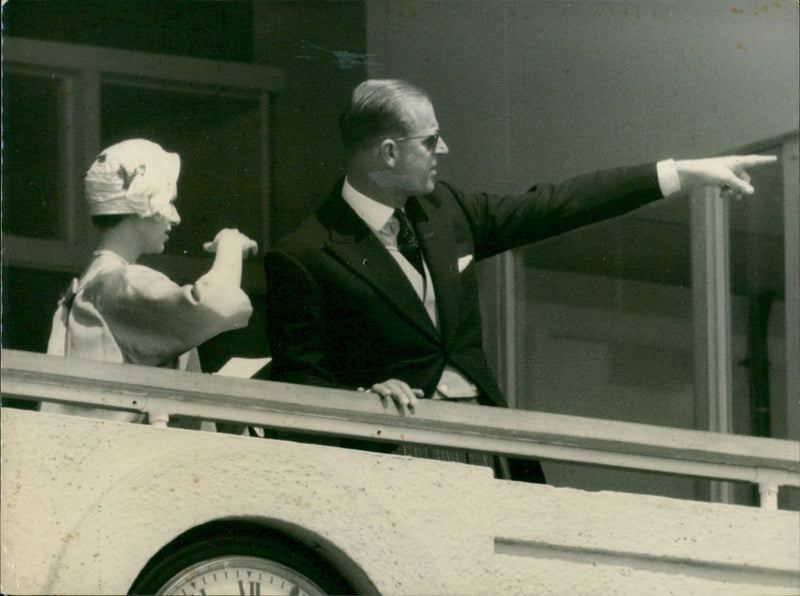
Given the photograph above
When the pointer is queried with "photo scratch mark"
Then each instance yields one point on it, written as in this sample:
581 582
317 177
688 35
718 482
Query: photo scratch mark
345 59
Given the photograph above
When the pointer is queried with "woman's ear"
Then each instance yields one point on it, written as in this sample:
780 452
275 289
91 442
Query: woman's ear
388 152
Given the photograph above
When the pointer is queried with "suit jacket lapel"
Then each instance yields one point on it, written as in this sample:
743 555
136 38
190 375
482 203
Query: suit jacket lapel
438 244
353 244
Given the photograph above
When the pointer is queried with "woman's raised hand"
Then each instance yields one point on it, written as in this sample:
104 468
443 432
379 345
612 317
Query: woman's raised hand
230 237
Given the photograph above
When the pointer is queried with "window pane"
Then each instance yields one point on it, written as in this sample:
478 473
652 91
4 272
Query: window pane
218 139
608 332
33 190
758 304
762 406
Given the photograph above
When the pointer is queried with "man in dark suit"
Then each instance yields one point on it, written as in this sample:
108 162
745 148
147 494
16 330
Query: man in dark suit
378 289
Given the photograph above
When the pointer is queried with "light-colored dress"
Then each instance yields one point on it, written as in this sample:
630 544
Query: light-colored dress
118 312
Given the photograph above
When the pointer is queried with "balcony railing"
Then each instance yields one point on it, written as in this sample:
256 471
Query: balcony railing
769 463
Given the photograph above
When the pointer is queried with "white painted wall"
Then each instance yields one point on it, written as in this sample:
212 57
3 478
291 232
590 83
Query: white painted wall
87 502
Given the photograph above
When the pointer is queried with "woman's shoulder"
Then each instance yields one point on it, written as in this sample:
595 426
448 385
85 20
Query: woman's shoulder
107 273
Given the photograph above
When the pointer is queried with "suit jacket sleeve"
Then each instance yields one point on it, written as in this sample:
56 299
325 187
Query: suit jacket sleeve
500 223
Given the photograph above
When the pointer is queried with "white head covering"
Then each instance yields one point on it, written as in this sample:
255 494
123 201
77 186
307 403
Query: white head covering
134 176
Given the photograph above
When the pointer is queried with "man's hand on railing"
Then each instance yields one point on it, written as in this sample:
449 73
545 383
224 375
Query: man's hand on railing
728 172
404 397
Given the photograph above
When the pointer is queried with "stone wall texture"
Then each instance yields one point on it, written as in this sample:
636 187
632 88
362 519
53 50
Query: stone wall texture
86 503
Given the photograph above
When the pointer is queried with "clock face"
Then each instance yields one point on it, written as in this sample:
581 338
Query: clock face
244 575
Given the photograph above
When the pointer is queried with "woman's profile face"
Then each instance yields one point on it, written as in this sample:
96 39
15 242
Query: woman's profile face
156 228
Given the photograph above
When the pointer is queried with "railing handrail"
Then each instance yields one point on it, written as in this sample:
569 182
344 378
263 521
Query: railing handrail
160 392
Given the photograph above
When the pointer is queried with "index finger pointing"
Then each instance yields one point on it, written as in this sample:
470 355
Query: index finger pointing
747 161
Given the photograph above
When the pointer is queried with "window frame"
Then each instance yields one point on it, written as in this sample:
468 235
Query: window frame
84 69
710 254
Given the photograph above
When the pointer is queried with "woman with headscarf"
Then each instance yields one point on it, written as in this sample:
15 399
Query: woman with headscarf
118 311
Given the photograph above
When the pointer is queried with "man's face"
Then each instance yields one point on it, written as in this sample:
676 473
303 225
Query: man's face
419 150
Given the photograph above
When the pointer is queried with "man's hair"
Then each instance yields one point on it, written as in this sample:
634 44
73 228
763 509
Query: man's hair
377 107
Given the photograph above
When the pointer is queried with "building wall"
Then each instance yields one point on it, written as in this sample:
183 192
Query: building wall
82 515
537 91
322 48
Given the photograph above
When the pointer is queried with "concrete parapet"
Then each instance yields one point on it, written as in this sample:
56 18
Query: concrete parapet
86 504
578 542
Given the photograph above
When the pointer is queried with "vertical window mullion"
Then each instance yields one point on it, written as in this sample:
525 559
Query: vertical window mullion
86 127
264 109
791 236
712 318
69 133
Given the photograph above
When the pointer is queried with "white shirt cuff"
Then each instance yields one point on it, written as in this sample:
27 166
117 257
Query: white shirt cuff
668 178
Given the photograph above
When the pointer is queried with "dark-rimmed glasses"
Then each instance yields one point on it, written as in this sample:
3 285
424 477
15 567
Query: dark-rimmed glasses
430 142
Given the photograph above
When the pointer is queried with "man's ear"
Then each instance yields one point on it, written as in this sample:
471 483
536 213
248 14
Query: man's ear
388 152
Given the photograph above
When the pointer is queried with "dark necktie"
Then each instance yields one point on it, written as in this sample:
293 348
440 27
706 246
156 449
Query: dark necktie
407 243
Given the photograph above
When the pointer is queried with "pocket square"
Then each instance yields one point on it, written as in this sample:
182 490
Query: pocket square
463 262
